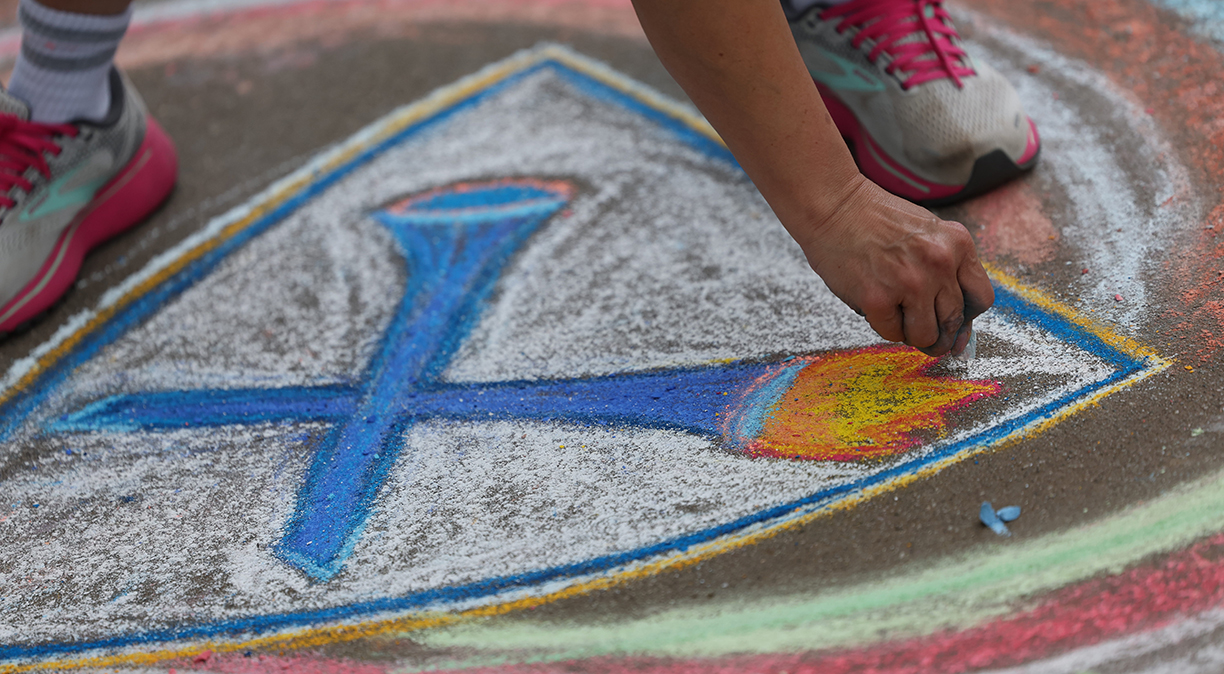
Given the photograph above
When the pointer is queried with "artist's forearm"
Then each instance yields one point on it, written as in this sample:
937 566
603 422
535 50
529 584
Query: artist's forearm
738 62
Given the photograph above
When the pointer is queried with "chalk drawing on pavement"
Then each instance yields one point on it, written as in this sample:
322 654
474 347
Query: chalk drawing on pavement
532 332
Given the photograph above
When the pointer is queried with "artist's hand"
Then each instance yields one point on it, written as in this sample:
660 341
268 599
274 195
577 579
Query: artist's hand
916 278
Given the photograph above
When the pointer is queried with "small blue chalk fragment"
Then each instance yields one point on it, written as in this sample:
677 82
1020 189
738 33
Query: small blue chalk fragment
1008 514
990 519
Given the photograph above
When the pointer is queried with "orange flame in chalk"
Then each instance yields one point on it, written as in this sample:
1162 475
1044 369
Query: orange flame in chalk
862 404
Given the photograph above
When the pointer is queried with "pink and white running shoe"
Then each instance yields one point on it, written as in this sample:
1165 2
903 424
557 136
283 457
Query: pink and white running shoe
65 188
924 119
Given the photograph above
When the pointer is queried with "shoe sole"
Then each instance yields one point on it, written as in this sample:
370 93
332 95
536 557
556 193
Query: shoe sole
122 203
989 170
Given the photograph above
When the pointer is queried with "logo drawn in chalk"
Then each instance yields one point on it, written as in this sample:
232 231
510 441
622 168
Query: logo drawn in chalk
741 404
455 242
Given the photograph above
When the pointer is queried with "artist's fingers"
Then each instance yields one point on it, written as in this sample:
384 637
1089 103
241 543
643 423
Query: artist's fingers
921 321
884 316
975 286
962 338
950 310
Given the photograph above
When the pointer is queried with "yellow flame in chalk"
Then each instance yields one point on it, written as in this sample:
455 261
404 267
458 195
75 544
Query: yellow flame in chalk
867 403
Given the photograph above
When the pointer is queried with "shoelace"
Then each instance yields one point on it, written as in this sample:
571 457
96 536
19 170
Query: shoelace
889 22
24 145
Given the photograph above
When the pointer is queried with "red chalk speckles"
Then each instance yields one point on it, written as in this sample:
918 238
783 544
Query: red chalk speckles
305 663
1013 224
1144 50
1199 278
331 23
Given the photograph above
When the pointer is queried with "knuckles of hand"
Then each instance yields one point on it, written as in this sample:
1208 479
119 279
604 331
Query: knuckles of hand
879 306
891 260
952 322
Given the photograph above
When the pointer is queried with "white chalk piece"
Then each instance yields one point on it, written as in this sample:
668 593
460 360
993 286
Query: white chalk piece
970 351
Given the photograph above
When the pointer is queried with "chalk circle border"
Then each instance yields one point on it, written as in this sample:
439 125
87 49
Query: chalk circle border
30 380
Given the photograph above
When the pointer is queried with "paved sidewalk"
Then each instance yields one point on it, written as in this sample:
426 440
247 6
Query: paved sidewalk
463 343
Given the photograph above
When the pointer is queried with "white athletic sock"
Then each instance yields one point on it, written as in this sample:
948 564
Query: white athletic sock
63 71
